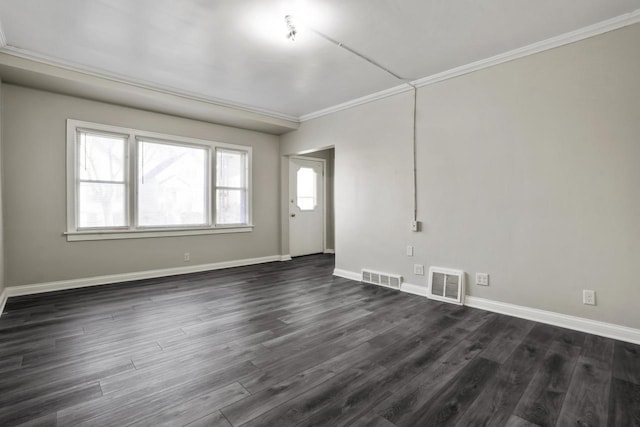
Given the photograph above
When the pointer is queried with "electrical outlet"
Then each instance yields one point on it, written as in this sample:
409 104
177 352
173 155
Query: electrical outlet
187 257
482 279
418 269
588 297
409 250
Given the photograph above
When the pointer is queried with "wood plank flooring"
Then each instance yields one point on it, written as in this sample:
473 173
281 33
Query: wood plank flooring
286 344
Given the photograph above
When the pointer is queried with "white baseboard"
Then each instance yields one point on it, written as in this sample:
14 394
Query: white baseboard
609 330
404 287
3 300
37 288
347 274
595 327
410 288
329 251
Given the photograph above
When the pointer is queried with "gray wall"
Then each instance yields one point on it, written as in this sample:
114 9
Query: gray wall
34 194
528 171
1 198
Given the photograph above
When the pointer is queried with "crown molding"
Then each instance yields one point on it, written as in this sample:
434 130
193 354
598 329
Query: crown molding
561 40
358 101
551 43
113 77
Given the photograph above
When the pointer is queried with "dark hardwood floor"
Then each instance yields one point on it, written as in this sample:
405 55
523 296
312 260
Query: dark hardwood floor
284 344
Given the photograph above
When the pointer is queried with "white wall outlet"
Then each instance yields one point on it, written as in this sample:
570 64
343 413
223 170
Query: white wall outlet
588 297
187 257
415 226
482 279
409 250
418 269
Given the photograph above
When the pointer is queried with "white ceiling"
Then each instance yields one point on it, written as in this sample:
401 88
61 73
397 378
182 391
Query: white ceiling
235 51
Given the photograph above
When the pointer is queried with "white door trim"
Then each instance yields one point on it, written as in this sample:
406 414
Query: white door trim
324 198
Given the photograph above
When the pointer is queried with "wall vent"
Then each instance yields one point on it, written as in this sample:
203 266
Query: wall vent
446 285
382 279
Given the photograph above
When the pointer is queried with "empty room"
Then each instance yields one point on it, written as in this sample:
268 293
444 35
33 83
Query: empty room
319 213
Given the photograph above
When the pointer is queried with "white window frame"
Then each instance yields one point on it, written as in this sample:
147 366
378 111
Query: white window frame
247 183
132 230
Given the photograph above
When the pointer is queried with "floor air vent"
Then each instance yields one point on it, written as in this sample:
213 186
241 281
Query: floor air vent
446 285
382 279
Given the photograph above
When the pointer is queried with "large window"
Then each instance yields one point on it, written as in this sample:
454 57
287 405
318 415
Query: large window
172 185
124 183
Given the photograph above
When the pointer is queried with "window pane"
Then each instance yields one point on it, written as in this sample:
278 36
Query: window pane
101 205
172 185
230 168
306 203
231 207
101 158
306 189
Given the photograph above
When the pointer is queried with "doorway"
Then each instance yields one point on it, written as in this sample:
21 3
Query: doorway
307 208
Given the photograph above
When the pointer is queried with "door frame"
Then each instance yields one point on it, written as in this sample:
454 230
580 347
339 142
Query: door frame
324 198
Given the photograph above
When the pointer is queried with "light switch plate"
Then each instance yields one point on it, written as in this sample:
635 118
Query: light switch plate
482 279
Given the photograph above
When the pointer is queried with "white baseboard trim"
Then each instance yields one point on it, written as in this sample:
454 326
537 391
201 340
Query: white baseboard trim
13 291
609 330
329 251
404 287
3 300
595 327
410 288
347 274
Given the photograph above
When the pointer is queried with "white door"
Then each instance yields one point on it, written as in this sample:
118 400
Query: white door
306 206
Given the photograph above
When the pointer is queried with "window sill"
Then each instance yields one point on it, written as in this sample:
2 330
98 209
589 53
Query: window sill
75 236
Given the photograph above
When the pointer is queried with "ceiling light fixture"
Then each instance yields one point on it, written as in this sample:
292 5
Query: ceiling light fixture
291 28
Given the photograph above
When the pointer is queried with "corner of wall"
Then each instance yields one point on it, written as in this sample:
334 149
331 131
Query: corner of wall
284 205
3 300
3 295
